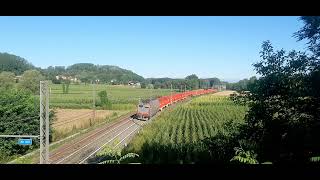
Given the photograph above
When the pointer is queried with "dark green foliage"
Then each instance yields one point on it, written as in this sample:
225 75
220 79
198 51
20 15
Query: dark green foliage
282 123
240 98
242 85
189 83
244 157
105 102
311 32
19 116
143 85
15 64
283 113
221 147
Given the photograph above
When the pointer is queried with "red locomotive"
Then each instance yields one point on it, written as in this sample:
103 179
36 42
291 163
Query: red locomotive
147 109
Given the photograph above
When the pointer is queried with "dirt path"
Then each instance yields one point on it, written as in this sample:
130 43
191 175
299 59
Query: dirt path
224 93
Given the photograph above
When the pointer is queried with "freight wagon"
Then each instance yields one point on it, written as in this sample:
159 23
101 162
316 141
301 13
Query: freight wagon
148 108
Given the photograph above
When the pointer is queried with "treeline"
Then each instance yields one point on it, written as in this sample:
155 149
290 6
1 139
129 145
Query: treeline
191 82
81 72
242 85
14 64
87 73
104 74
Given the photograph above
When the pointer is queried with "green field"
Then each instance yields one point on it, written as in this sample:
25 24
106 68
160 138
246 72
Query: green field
81 96
174 136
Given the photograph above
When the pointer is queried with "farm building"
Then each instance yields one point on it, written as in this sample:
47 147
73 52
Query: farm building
72 79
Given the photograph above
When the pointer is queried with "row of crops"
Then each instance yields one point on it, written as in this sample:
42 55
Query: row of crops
176 135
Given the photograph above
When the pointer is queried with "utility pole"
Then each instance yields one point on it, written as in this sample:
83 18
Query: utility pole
150 93
94 103
44 122
171 95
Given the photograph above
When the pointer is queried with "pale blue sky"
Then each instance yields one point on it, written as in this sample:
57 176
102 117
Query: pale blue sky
223 47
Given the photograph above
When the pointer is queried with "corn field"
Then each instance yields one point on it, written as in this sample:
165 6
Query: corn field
174 136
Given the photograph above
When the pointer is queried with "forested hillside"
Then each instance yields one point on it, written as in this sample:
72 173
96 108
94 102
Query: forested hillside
86 72
13 63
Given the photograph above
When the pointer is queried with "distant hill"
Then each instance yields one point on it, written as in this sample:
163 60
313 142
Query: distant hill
13 63
87 72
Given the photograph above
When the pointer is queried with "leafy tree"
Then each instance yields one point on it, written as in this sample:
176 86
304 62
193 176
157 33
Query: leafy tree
192 81
192 76
157 85
311 32
13 63
214 81
7 80
143 85
30 81
19 116
242 85
280 118
105 102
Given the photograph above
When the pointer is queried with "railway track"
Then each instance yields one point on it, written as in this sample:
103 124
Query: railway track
81 149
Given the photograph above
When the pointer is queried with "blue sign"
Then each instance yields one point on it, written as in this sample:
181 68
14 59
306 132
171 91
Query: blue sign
25 141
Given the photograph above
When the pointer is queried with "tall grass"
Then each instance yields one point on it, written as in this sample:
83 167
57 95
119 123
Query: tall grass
73 127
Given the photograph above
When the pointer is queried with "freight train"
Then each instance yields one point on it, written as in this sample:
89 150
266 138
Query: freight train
148 108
